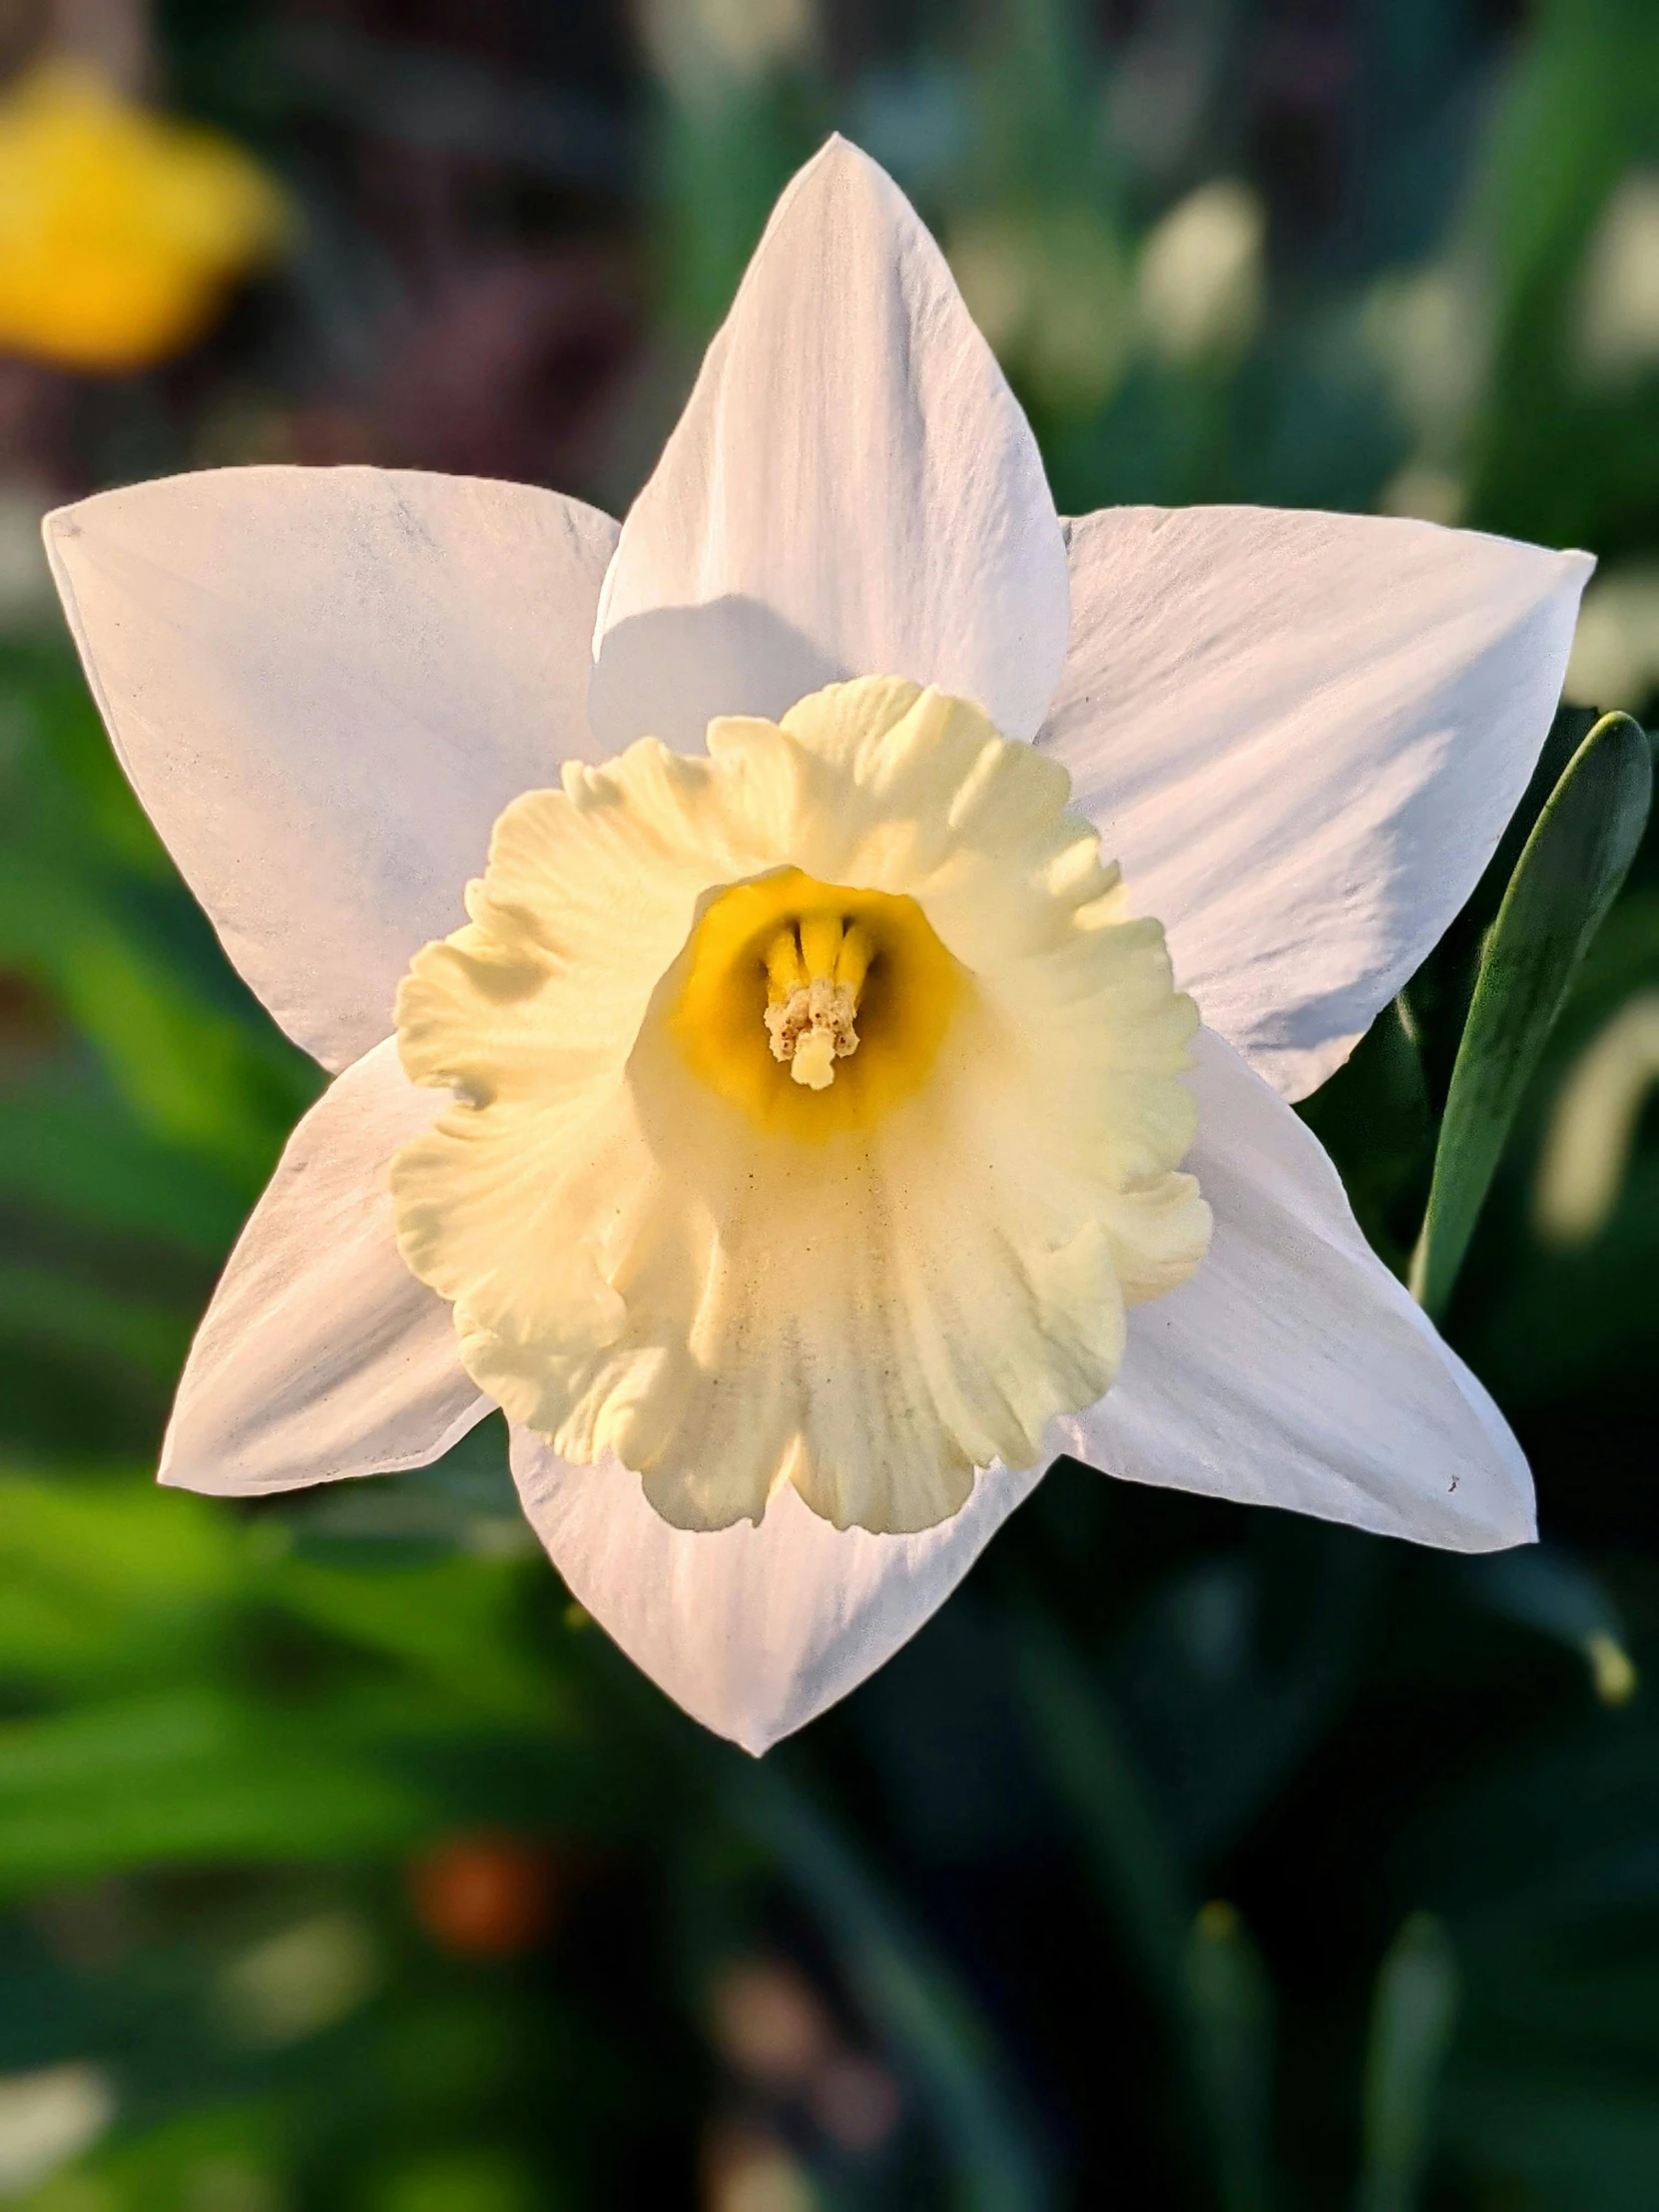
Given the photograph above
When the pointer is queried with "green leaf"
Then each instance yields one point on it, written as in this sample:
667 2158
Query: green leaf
912 1995
451 1619
185 1776
1198 1969
1413 2017
109 1581
1230 2007
1136 1868
71 1153
1564 881
1554 1595
1559 2145
57 1312
1437 998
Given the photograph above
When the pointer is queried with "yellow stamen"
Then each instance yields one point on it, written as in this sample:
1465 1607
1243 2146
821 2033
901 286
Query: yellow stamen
784 974
854 959
821 941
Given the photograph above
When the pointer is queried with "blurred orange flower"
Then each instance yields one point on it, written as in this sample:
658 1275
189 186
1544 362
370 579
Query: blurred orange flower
120 231
484 1895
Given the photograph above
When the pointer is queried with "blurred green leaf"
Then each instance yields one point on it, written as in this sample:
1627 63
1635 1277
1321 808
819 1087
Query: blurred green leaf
187 1775
1559 2145
1571 869
1538 1851
1095 1772
1232 1676
912 1995
225 2156
1230 2007
105 1579
42 1307
482 2181
1412 2016
452 1620
1556 1596
93 913
1199 1967
68 1151
1551 459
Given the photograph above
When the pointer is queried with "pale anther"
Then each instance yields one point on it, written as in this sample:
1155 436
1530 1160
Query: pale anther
815 974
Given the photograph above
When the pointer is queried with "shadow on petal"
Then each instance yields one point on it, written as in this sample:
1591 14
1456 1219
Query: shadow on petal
668 673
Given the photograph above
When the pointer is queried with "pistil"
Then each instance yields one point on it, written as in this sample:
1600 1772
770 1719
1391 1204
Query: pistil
815 974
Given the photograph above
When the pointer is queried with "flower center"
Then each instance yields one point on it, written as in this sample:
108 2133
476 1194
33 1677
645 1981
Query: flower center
814 1006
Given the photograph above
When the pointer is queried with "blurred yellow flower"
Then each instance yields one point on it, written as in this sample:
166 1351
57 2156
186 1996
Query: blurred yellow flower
119 230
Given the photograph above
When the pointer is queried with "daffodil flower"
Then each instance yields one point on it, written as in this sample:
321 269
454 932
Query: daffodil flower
797 1126
120 231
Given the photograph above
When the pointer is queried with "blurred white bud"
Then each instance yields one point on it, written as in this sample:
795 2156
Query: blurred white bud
1617 332
1431 332
48 2118
769 2024
1202 280
748 2170
1615 650
1430 494
1593 1125
298 1982
992 259
1050 293
856 2102
701 48
1612 1670
498 1536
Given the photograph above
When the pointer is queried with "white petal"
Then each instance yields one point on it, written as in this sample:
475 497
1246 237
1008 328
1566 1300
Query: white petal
1292 1369
851 491
753 1630
1302 735
325 685
321 1354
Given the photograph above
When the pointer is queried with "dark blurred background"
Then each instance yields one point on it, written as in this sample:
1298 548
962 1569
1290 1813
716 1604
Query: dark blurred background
1192 1857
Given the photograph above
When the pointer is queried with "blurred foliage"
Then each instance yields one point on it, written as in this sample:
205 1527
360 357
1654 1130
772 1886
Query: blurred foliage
1192 1857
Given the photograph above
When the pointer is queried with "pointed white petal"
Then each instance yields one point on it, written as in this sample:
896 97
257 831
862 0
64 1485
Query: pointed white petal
321 1354
852 490
325 685
1292 1369
754 1631
1302 735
